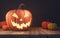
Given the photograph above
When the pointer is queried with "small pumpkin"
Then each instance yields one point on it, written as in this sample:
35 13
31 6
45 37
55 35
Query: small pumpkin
44 24
52 26
2 23
5 27
19 19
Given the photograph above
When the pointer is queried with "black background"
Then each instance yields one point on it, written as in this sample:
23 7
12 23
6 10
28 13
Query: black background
41 10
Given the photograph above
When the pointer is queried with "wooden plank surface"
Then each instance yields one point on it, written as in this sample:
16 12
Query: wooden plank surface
32 31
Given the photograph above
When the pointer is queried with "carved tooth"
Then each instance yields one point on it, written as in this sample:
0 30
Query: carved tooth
23 25
13 23
18 26
28 24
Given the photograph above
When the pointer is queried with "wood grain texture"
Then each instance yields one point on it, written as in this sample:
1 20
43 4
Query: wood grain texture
32 31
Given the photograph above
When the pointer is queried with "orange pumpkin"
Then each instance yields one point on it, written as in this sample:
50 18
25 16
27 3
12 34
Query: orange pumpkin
2 23
5 27
52 26
44 24
19 19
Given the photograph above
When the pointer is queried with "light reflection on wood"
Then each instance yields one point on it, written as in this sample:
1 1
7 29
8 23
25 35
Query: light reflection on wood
32 31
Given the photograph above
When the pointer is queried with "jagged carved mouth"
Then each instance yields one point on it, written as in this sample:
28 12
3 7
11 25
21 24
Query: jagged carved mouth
20 26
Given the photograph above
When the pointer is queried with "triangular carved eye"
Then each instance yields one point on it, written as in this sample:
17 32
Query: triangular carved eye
26 14
15 15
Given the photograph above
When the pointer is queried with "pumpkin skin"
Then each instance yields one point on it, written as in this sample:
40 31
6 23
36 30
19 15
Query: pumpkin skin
5 27
44 24
2 23
52 26
19 19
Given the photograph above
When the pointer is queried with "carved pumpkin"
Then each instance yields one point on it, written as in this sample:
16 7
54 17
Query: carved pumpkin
52 26
44 24
18 19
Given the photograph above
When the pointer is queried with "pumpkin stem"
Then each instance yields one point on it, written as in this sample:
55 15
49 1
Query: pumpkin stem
21 6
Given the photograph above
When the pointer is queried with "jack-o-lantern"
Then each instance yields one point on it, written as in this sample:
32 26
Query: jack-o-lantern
19 19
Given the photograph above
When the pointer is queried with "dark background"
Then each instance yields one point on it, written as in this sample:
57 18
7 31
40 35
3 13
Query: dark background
48 10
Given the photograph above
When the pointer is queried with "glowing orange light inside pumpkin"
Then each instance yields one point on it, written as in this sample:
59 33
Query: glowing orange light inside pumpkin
20 26
15 15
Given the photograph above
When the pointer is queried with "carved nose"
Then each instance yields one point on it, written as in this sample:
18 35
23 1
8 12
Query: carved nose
21 19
